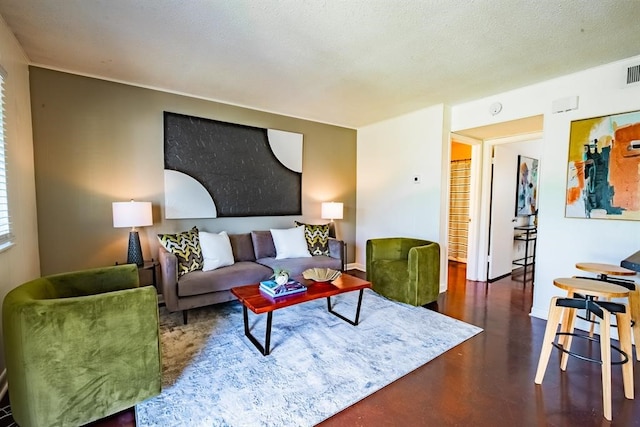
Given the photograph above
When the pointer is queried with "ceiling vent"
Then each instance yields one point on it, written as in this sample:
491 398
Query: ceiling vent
632 75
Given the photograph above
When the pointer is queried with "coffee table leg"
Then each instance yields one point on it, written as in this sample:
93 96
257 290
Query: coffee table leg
353 322
267 339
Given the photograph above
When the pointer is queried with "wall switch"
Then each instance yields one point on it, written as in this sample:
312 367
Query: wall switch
416 179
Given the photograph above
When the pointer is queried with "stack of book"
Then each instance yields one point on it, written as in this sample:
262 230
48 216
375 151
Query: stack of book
271 288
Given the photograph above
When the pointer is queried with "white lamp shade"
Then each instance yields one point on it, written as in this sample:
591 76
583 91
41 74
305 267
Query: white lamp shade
132 214
332 210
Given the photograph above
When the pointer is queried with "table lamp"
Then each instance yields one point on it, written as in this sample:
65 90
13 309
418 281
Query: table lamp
133 214
331 211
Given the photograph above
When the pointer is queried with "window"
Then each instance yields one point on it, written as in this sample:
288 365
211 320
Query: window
6 238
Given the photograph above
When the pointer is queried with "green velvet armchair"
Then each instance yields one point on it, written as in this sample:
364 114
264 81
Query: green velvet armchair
80 346
404 269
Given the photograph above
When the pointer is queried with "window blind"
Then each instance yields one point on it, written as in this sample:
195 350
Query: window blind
5 221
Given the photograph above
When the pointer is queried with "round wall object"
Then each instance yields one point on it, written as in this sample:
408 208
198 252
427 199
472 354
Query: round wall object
495 108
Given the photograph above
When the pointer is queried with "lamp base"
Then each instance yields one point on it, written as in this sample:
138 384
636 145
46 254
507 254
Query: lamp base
332 229
134 254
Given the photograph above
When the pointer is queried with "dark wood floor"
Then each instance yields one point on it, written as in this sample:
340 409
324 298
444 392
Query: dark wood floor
487 380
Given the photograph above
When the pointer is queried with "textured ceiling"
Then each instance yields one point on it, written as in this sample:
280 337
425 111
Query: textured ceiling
346 62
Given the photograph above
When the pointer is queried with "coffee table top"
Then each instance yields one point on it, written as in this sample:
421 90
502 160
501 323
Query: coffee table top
259 302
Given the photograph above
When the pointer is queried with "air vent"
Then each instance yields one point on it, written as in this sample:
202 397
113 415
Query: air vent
633 74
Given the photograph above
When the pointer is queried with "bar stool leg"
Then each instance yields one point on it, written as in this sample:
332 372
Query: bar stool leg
569 321
634 307
592 319
624 334
562 339
605 354
549 337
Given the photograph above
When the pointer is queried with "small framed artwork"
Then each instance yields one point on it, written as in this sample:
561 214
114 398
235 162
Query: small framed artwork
602 175
527 188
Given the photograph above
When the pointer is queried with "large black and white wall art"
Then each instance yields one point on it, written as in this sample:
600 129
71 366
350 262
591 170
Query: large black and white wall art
217 169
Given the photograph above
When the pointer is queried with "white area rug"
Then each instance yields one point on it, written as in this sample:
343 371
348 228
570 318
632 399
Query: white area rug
319 364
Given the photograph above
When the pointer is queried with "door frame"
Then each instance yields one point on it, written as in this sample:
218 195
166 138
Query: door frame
482 253
474 200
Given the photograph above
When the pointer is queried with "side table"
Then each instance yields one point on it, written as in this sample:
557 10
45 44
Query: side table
144 279
528 235
149 265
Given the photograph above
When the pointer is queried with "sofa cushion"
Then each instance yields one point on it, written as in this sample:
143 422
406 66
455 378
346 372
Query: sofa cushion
216 250
317 237
186 247
290 243
263 244
297 265
222 279
242 247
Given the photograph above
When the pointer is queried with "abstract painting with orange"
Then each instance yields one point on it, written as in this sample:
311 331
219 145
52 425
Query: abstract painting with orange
603 178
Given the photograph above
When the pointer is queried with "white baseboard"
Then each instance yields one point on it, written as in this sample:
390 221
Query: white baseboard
356 266
539 313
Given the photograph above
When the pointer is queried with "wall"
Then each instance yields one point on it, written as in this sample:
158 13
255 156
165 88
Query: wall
97 142
20 262
562 242
460 151
390 154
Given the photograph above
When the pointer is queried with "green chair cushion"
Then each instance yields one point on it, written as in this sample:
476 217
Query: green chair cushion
390 276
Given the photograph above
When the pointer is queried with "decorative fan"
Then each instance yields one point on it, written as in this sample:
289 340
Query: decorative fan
321 274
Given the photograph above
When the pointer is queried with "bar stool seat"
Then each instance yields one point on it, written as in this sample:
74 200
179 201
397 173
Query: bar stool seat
603 310
604 272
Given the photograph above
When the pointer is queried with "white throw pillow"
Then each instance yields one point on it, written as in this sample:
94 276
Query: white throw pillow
216 250
290 243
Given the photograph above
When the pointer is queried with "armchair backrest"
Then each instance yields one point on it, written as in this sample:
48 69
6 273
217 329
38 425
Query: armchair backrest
95 281
391 248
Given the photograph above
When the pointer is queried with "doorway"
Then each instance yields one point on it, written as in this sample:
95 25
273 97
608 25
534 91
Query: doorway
504 249
463 208
515 131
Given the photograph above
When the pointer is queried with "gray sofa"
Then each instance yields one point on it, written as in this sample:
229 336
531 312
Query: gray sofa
255 257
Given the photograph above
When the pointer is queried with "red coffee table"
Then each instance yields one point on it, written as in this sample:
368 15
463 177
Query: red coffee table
259 302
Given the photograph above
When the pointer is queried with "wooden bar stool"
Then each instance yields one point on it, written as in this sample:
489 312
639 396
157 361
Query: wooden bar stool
604 272
603 311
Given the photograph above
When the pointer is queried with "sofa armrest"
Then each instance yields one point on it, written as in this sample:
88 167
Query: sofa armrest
424 271
336 250
168 278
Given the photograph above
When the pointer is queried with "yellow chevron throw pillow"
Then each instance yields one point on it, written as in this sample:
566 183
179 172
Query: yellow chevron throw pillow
317 237
186 247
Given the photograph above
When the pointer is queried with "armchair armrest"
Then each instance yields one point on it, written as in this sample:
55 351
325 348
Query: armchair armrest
424 271
169 278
